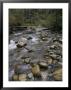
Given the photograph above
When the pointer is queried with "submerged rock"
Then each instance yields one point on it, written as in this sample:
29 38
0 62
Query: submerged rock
49 60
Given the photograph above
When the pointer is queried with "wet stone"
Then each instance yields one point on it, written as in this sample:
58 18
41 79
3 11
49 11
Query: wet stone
53 56
55 61
22 77
27 60
23 68
15 77
36 70
58 75
58 66
30 77
50 77
43 64
59 58
51 68
22 42
49 60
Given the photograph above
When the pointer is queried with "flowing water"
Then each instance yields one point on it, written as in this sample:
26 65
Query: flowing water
37 44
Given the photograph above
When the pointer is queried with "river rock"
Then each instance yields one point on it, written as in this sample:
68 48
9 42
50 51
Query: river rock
49 60
22 77
22 68
57 44
53 56
22 42
59 52
59 58
55 61
50 77
15 77
58 75
43 64
27 60
36 70
52 47
30 77
43 34
51 68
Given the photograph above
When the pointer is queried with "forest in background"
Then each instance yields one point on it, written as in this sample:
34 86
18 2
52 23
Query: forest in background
50 18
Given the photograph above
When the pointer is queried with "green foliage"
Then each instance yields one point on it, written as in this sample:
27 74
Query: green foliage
51 18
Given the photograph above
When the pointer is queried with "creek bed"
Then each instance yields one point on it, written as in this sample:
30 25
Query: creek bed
37 48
